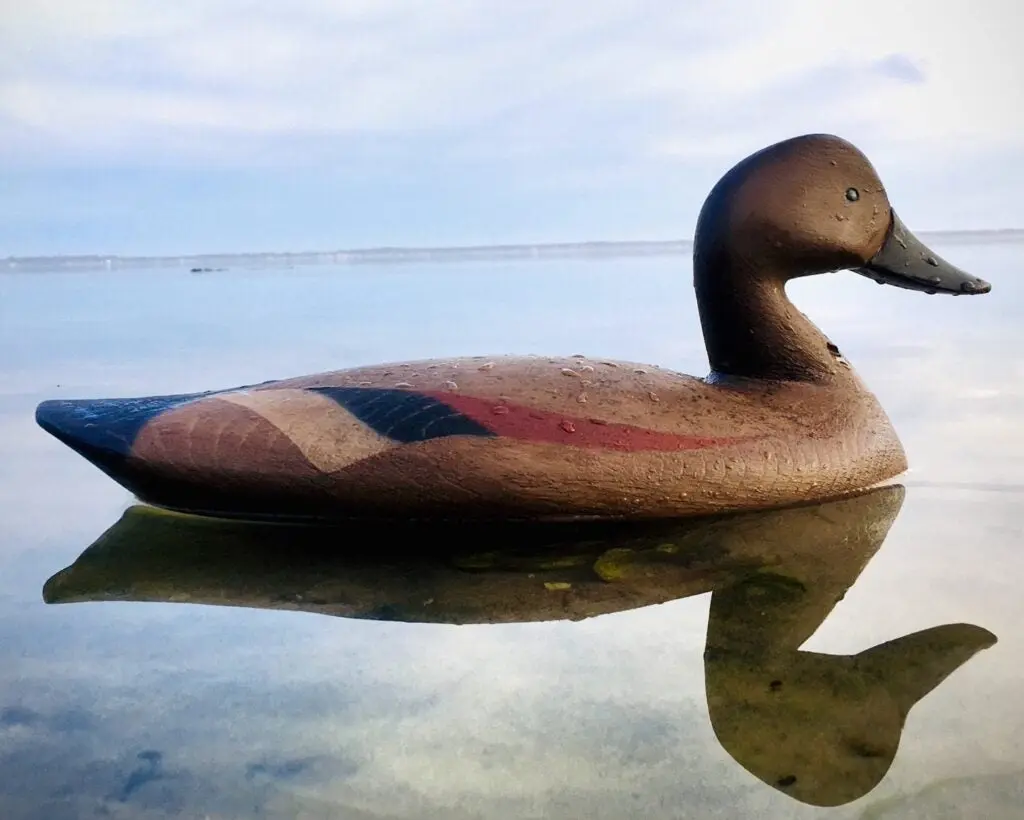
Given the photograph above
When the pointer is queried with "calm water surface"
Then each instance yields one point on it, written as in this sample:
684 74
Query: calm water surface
127 709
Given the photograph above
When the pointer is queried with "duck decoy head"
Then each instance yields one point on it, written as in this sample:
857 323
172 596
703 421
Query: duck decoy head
815 204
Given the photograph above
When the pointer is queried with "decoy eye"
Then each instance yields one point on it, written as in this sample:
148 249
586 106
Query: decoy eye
852 194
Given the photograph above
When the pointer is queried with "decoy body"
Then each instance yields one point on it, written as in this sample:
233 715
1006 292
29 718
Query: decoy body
781 418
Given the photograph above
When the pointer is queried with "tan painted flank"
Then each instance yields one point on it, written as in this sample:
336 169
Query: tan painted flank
323 431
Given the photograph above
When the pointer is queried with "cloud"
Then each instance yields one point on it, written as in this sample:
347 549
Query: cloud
136 126
106 79
900 67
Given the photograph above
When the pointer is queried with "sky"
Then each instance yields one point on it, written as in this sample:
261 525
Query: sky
204 126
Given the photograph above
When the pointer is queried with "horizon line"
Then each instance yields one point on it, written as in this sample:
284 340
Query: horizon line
388 253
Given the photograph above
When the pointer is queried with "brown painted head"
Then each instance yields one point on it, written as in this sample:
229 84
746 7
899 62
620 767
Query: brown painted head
814 204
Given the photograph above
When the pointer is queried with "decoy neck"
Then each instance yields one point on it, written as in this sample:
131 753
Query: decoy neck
811 204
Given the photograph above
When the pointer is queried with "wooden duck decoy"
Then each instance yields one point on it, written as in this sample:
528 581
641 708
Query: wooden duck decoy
821 728
782 417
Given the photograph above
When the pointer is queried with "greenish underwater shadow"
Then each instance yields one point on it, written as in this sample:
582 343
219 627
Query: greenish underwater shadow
823 729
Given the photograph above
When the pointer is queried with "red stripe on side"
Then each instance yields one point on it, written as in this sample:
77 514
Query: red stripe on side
527 424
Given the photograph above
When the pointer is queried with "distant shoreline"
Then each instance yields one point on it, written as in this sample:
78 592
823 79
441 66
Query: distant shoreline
203 263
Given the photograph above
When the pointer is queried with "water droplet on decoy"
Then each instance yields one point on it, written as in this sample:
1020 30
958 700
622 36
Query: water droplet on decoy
639 370
578 356
599 422
653 396
450 385
568 426
402 384
365 384
852 194
931 260
610 364
568 371
582 398
833 163
587 368
500 410
487 366
900 242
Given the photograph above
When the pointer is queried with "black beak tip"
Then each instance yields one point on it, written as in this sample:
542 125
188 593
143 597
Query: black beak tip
975 287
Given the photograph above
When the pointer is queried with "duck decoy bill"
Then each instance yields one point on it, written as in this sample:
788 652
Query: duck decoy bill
906 262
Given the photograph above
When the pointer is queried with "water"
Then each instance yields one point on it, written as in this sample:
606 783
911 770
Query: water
126 709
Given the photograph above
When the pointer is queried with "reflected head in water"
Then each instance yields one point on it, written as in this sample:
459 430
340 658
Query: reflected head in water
823 729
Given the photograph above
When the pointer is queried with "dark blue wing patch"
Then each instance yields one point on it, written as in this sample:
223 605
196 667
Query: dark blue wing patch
403 415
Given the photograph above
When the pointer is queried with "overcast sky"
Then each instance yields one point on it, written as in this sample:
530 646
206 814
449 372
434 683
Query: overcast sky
143 126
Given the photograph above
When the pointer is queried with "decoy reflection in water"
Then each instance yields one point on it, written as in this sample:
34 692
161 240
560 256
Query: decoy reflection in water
823 729
782 418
